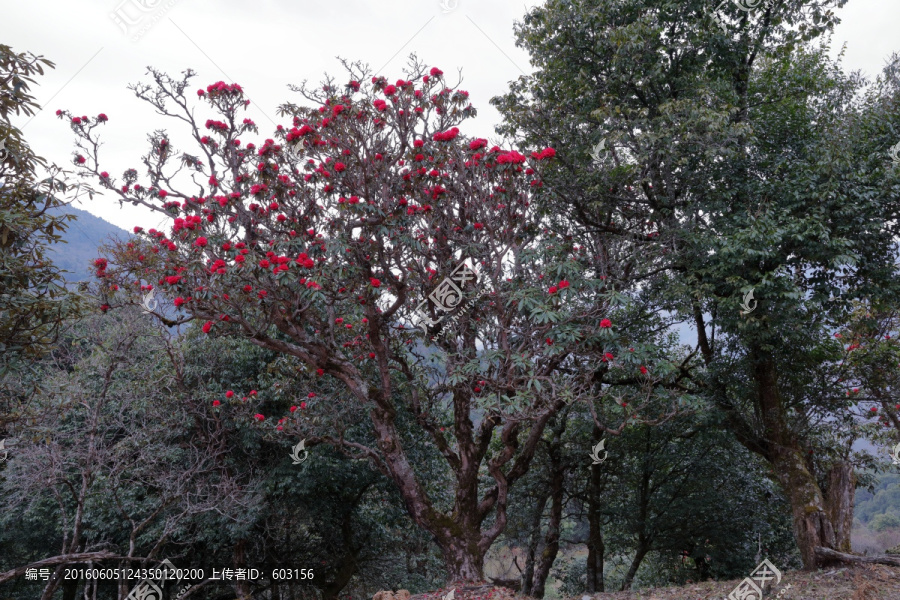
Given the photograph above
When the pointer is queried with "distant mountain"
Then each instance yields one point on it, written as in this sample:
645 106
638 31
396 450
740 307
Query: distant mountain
82 239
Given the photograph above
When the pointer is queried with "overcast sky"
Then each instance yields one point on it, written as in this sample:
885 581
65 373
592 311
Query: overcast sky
266 44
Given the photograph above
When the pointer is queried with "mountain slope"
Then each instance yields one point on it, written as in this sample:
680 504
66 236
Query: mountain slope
82 239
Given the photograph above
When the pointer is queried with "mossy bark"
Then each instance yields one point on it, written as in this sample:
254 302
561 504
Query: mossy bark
812 523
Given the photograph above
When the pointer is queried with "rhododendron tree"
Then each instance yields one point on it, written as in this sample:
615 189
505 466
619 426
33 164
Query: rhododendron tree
323 242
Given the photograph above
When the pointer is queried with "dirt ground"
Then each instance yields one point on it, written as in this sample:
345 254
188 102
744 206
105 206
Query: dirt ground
875 582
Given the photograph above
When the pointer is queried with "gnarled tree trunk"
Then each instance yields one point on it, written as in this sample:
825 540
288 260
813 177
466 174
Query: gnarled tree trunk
839 503
812 524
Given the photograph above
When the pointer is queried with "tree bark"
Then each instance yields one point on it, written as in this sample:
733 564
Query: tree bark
596 547
531 555
642 550
812 526
839 502
551 540
830 555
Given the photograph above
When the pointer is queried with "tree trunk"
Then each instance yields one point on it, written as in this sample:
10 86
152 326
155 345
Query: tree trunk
464 562
812 526
551 540
531 554
642 550
839 503
596 547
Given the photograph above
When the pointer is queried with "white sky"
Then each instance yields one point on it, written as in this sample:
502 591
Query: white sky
266 44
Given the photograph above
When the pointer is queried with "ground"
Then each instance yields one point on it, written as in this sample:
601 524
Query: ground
875 582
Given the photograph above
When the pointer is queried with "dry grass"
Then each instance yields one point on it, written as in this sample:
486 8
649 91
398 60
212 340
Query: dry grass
874 582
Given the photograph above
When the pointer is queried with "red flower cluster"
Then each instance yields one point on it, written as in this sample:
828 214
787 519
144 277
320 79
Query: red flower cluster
220 87
446 136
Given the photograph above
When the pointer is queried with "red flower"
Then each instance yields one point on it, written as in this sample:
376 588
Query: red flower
549 342
371 355
201 242
340 167
446 136
643 370
229 394
435 72
302 405
216 403
207 326
608 356
293 408
553 289
375 282
252 392
311 395
259 417
605 323
874 409
563 284
173 279
478 226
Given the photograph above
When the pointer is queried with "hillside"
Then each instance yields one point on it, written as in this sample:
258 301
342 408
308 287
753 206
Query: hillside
82 239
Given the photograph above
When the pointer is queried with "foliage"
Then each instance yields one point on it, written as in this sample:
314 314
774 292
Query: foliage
34 301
